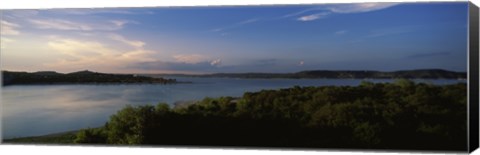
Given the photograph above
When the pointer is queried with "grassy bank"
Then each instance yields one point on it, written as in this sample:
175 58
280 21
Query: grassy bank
58 138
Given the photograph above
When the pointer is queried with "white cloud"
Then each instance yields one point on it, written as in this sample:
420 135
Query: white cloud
189 58
301 63
360 7
339 8
7 28
120 23
216 62
82 54
133 43
301 12
77 49
60 24
313 16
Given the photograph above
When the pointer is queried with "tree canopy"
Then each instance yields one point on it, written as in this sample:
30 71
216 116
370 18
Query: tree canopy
399 115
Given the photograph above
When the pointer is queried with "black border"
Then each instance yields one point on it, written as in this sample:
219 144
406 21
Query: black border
473 78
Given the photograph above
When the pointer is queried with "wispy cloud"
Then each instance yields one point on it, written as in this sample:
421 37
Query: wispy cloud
61 24
301 63
301 12
121 23
319 13
133 43
239 24
337 8
341 32
7 28
178 67
216 62
196 59
93 11
82 54
99 11
313 16
189 58
359 7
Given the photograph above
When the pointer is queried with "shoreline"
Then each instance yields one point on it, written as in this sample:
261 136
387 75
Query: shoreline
96 84
189 82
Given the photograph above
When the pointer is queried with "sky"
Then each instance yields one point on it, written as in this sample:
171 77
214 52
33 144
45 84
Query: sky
275 38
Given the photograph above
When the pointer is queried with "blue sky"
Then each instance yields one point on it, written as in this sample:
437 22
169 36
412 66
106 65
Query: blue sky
290 38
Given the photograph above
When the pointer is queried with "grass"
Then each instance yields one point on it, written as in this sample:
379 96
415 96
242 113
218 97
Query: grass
57 138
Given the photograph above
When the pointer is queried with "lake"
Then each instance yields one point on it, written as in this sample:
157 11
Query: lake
33 110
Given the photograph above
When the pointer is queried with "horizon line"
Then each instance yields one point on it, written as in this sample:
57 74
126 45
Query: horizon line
365 70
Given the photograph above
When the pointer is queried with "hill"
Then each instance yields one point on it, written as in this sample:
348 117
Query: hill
81 77
349 74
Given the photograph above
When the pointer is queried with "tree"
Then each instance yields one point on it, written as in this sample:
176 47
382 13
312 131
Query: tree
92 136
129 124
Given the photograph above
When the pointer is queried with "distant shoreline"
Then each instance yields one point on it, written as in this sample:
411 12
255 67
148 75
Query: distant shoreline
95 78
81 77
335 74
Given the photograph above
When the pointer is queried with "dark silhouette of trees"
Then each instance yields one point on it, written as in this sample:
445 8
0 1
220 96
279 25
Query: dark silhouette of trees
399 115
349 74
91 136
82 77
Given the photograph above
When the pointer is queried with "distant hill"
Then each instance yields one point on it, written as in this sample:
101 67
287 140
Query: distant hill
89 77
408 74
85 72
349 74
47 73
81 77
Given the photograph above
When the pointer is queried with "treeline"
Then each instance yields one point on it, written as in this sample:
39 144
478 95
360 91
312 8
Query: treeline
350 74
400 115
81 77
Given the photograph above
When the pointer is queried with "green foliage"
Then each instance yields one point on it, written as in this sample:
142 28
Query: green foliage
399 115
162 108
91 136
129 124
61 138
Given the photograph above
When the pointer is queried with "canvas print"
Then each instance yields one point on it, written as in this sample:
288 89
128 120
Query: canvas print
389 76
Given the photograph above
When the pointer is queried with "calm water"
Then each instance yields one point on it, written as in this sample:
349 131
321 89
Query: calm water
43 109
